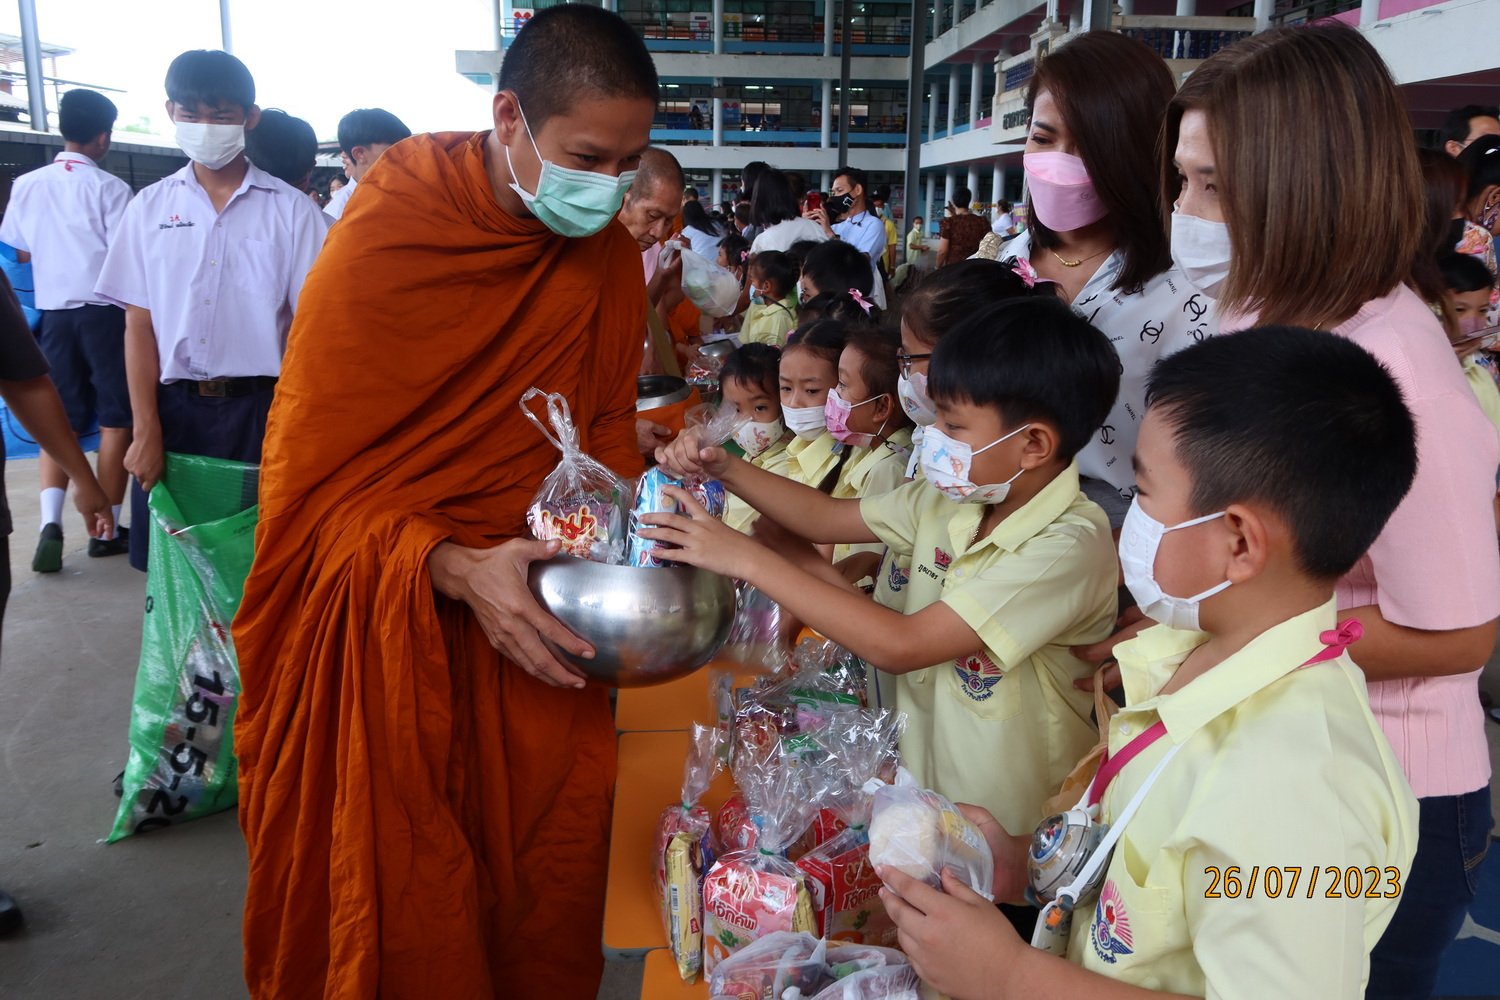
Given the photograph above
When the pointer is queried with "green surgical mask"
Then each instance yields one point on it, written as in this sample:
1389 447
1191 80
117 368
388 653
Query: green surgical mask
571 203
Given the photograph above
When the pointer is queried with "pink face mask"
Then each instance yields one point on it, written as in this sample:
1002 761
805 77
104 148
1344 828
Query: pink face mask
836 411
1061 191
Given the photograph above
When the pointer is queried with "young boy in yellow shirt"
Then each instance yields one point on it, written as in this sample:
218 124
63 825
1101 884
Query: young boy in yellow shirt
1005 579
1275 828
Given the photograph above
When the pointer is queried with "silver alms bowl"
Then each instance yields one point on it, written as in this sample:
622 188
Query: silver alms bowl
647 626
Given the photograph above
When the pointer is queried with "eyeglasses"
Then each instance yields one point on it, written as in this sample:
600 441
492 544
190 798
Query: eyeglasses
904 360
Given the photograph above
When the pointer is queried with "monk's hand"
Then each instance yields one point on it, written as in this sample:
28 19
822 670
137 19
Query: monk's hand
492 582
697 538
650 435
957 941
686 456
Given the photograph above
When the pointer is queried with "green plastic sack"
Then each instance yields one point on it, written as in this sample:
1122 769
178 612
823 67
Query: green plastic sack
182 765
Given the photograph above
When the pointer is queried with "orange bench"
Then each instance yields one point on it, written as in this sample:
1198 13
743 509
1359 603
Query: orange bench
662 982
650 779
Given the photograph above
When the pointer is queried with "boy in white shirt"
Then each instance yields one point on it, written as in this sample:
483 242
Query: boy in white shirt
1275 829
364 134
62 217
208 265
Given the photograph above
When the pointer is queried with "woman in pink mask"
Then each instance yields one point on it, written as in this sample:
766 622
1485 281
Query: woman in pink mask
1299 245
1096 228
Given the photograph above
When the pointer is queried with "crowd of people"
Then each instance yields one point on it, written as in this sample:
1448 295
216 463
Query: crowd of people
1247 378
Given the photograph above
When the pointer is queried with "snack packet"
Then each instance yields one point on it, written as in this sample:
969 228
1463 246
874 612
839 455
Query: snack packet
581 503
751 894
771 968
715 426
844 883
917 831
683 855
814 655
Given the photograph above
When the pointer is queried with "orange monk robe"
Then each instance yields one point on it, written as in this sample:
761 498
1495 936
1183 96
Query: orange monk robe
423 818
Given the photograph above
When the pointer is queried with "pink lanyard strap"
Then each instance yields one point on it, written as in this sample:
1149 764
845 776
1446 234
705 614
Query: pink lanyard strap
1334 641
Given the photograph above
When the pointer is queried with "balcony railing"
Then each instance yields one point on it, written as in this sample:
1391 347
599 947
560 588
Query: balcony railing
884 125
1301 13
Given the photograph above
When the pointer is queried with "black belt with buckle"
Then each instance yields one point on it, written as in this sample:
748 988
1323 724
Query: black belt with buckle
224 388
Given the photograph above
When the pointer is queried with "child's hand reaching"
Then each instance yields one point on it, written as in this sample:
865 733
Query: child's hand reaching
686 456
701 540
958 942
1011 875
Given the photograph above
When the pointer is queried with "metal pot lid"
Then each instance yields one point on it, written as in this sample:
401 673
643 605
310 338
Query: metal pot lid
655 391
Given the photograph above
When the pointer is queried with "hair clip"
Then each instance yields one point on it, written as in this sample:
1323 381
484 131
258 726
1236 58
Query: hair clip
860 300
1023 270
744 256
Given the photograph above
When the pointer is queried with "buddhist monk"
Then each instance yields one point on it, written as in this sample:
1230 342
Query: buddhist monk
425 790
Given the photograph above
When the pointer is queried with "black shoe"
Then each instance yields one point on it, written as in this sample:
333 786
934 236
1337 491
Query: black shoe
10 914
116 546
48 558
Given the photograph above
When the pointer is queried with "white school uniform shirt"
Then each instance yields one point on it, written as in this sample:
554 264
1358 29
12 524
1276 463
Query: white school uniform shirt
867 233
221 288
1166 315
339 200
782 235
65 215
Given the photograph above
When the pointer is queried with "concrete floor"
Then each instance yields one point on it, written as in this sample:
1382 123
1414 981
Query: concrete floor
151 917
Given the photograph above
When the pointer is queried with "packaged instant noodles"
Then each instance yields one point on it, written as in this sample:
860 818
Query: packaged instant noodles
683 853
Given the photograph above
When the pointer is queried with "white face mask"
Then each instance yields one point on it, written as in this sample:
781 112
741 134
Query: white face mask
1201 249
1140 537
912 391
755 438
807 422
947 462
211 146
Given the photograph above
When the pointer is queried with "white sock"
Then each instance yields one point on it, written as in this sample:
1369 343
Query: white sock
52 505
116 508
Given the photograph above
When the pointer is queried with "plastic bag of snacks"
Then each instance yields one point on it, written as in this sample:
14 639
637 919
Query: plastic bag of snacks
750 894
714 427
781 716
845 887
581 503
917 831
787 966
684 853
825 656
755 641
708 286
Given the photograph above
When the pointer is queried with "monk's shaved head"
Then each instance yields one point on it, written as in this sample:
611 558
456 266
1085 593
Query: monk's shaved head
574 52
654 199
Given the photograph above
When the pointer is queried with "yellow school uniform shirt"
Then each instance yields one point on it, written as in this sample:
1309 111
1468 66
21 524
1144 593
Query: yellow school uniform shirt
769 323
1002 727
1280 768
1483 384
872 472
737 513
809 461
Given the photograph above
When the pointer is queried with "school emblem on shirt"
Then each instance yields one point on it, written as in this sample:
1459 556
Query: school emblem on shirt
897 578
941 559
978 675
175 222
1111 934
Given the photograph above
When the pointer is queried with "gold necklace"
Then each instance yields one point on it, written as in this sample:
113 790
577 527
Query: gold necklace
1074 263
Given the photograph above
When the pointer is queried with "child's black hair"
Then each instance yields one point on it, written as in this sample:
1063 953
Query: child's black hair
209 77
85 115
754 365
283 146
1463 273
1307 423
879 369
827 339
838 306
777 269
736 250
836 266
1031 359
950 295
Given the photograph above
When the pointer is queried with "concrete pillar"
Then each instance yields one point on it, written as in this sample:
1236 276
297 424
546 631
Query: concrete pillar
718 186
997 183
1127 7
937 18
825 131
1075 23
1263 11
1186 8
973 184
828 9
1369 12
950 182
928 212
718 15
976 90
827 180
952 96
932 109
718 115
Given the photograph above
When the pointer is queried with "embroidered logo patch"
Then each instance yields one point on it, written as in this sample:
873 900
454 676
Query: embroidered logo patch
1111 935
941 559
897 578
978 675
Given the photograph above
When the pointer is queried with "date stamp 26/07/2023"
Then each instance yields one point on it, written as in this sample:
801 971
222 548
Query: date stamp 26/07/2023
1299 882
